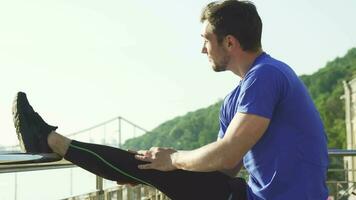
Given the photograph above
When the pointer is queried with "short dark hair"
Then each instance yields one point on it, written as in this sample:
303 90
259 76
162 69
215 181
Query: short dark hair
237 18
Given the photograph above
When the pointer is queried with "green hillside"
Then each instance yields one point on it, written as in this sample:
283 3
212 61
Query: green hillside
186 132
200 127
326 88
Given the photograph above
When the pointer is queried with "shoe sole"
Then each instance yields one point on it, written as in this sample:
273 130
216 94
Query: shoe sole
25 133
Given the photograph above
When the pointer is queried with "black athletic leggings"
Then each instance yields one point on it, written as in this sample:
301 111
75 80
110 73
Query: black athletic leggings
119 165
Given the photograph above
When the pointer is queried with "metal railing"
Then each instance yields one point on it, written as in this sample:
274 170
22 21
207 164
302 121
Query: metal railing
123 192
110 133
118 192
340 188
341 182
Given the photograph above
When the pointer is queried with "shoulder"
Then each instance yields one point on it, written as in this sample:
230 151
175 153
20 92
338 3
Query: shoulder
230 99
269 66
266 81
265 74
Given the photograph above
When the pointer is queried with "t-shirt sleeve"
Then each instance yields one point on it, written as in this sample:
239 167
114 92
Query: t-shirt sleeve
222 122
261 91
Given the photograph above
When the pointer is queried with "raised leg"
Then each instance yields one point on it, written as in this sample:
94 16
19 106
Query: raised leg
120 165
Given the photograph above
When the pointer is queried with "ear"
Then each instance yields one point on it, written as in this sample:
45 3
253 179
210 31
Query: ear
231 42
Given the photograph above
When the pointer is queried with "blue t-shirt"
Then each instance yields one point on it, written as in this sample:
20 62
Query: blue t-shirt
290 161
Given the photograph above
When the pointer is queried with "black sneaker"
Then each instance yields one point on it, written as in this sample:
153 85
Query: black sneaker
32 131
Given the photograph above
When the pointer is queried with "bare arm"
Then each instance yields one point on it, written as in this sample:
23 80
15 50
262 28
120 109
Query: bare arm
234 171
243 132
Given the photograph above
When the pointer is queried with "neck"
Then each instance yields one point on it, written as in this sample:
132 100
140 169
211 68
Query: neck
243 62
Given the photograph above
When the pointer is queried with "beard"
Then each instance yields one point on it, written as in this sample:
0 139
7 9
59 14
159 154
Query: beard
221 65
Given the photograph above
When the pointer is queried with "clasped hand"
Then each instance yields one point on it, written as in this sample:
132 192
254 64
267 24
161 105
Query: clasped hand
158 158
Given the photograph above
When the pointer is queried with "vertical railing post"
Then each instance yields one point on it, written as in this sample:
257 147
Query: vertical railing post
129 193
99 187
108 195
337 190
119 193
138 192
145 192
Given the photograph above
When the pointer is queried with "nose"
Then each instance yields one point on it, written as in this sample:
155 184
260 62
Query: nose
203 50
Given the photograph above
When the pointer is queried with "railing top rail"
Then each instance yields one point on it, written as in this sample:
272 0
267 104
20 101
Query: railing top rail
341 152
34 167
66 164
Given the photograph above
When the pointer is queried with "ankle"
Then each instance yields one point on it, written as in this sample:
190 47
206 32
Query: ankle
58 143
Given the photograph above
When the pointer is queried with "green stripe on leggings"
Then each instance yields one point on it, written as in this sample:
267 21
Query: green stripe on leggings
109 164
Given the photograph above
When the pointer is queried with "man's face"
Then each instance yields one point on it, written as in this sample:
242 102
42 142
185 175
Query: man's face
216 52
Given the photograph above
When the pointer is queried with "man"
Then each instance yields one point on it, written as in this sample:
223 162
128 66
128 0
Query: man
268 122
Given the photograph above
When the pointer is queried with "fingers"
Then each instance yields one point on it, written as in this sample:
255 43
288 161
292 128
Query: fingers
147 152
155 158
154 149
143 158
132 151
146 166
142 152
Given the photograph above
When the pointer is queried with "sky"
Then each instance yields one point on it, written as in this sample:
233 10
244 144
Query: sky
82 62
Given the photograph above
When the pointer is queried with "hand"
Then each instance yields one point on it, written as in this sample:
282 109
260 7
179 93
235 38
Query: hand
158 158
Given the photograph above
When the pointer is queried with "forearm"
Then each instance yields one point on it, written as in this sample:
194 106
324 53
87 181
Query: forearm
243 132
234 171
211 157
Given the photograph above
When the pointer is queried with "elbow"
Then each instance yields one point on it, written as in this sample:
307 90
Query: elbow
228 158
229 163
